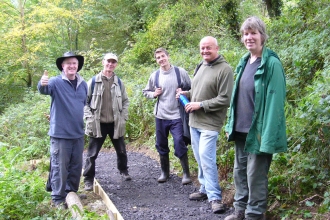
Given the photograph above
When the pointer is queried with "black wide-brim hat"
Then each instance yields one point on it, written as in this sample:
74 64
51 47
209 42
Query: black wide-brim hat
60 60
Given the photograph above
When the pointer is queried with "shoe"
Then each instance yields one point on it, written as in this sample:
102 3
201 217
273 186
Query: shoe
261 217
126 176
218 207
59 205
237 215
198 196
82 196
88 186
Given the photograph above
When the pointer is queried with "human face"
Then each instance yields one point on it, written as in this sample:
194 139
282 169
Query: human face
208 49
70 67
109 65
163 60
252 41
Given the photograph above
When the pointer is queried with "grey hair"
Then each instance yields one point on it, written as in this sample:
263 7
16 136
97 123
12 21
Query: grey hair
254 23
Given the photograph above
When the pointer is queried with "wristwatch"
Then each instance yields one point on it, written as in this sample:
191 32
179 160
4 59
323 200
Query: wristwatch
201 104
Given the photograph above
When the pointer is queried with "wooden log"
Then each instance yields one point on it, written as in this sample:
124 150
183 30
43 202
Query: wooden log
75 205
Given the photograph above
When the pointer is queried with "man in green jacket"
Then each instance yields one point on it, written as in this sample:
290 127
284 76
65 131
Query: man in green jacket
256 122
210 94
106 113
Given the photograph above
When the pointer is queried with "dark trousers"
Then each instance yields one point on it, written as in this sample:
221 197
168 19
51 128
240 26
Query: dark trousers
163 127
94 148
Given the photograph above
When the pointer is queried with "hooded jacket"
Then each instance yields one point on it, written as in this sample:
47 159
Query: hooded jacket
212 85
92 110
267 133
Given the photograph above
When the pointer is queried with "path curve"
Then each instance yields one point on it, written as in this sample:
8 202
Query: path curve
143 197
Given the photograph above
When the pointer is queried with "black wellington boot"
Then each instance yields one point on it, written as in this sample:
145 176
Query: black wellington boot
185 167
165 165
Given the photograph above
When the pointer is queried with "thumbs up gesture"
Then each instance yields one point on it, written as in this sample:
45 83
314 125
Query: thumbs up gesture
44 78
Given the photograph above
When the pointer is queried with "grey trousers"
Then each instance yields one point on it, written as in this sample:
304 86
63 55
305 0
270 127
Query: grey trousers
66 166
251 179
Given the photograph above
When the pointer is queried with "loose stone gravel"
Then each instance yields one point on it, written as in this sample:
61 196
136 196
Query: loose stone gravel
143 197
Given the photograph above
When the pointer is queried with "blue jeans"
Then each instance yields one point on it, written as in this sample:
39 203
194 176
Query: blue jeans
251 180
204 145
66 166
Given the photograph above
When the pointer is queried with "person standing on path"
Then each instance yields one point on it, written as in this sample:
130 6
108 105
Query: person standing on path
163 85
210 94
68 93
257 121
106 113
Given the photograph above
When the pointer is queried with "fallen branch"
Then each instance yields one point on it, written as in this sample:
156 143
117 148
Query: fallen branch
310 198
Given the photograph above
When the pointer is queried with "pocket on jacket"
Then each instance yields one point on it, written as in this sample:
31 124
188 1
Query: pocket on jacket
90 126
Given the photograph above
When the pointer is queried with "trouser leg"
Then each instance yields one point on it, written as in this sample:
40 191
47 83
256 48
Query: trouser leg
120 148
195 138
240 177
257 173
162 132
180 149
207 152
75 166
176 129
61 157
93 150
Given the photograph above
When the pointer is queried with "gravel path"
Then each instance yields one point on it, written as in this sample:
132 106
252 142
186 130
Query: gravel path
143 197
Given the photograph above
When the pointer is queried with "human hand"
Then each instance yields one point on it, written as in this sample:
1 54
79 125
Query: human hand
192 106
47 116
178 93
227 135
158 92
44 79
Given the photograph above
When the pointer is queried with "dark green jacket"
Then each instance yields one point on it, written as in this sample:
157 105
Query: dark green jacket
267 133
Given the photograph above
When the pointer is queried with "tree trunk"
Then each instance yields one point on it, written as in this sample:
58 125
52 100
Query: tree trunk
273 7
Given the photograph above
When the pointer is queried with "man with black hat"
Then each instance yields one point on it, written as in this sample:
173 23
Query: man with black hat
68 93
106 114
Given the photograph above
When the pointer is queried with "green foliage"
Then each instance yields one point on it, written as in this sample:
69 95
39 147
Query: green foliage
171 29
25 126
20 189
134 29
225 159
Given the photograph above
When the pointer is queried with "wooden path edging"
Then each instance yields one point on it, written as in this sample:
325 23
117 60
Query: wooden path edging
97 188
112 212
